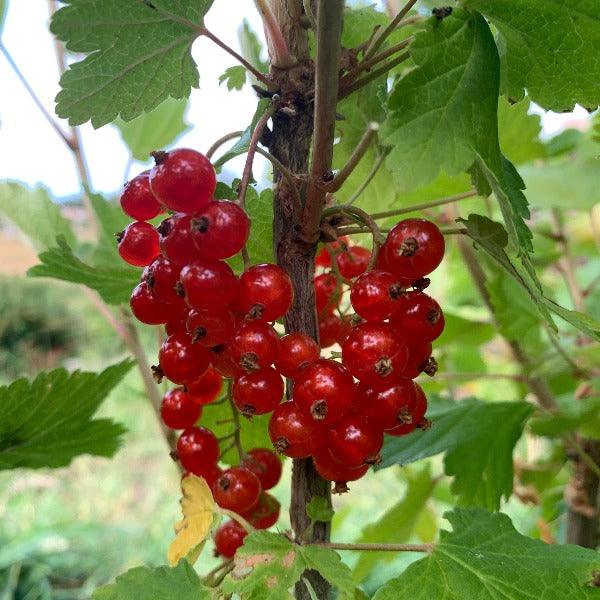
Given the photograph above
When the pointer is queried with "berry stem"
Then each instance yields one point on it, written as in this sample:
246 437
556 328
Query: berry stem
363 186
380 547
237 432
383 34
223 140
454 231
214 577
233 515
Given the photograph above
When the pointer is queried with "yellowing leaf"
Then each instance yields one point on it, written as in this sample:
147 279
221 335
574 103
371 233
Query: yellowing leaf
198 508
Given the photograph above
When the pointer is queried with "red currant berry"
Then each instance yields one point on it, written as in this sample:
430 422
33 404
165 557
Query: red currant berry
387 408
419 360
139 244
238 489
228 538
181 360
328 468
210 328
178 409
211 474
374 354
265 464
354 262
374 295
224 363
418 415
265 292
259 392
176 240
333 330
162 277
354 443
327 294
198 450
291 431
147 308
414 248
208 284
138 201
254 345
207 387
183 180
265 514
296 351
419 317
325 390
221 229
381 265
177 324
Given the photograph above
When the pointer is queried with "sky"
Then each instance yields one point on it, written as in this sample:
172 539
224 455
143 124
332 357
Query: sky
30 150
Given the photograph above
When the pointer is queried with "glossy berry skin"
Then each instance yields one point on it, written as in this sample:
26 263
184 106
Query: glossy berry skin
224 363
291 431
210 328
259 392
254 346
328 468
354 262
177 324
414 248
138 201
183 179
325 391
208 284
327 295
139 244
176 240
387 408
265 464
374 354
265 514
228 538
182 361
211 474
375 295
207 387
198 450
418 354
418 414
220 229
146 308
178 409
354 443
323 258
265 292
333 330
162 276
296 351
420 317
238 489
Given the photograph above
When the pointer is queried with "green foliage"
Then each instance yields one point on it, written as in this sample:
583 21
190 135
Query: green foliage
478 439
485 558
252 49
138 55
549 49
155 129
48 421
519 132
3 9
165 583
268 565
234 77
571 414
319 509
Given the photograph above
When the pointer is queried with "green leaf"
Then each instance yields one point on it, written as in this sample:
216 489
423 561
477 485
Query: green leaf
3 11
155 129
235 77
519 132
319 509
549 49
138 56
113 284
252 49
580 321
159 583
566 141
268 565
485 558
478 439
34 213
397 524
48 421
571 414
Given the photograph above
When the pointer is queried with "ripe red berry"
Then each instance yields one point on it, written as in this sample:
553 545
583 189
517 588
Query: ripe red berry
375 295
265 514
211 327
176 239
138 201
296 351
181 360
177 324
220 229
223 363
198 450
418 415
265 292
183 179
207 387
265 464
327 294
291 431
147 308
354 443
387 408
254 345
259 392
333 330
374 354
238 489
419 317
328 468
178 409
208 284
210 475
414 248
325 390
139 244
228 538
354 262
419 360
323 258
162 277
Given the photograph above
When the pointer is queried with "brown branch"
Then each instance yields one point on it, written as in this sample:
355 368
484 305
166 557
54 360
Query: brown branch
380 547
383 34
424 205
